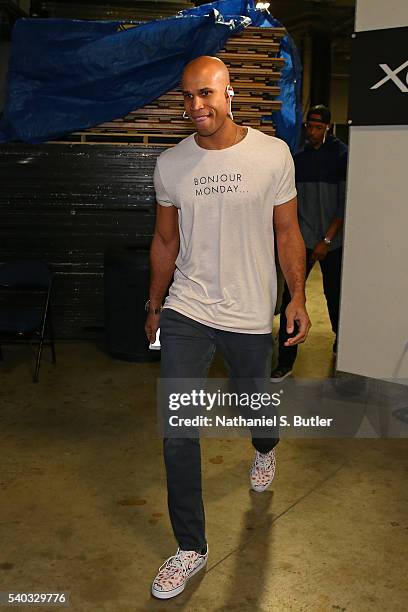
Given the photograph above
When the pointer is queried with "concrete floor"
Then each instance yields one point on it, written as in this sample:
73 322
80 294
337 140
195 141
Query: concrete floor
83 502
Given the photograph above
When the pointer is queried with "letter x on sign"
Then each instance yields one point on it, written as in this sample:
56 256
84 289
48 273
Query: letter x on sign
392 76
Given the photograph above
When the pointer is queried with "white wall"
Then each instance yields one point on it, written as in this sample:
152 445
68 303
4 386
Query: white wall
373 337
379 15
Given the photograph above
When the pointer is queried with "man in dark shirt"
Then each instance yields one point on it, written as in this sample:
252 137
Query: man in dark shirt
321 168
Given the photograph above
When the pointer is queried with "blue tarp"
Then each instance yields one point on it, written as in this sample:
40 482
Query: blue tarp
67 75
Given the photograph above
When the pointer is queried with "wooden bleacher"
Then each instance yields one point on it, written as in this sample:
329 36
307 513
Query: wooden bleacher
255 69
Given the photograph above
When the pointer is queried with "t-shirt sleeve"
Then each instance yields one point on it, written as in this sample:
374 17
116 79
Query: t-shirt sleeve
162 196
286 189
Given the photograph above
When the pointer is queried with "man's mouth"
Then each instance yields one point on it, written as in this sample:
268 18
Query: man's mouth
200 118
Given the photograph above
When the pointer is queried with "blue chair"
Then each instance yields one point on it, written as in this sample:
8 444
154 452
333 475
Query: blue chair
25 306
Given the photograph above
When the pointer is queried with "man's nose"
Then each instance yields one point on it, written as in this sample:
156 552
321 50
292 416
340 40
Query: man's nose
196 102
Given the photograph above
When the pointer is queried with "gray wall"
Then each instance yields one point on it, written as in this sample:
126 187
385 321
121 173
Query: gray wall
373 339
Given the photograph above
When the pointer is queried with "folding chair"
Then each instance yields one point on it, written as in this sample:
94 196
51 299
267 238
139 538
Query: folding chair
25 306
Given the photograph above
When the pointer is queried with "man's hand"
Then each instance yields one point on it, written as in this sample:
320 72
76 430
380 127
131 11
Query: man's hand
296 313
151 326
319 252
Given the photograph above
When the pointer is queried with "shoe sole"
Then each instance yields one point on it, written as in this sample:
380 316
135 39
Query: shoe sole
260 489
178 590
278 380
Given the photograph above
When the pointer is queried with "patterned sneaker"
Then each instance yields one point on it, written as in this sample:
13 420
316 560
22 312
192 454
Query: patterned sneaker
174 574
262 470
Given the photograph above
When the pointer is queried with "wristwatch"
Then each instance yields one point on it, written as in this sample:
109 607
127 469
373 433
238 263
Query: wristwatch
327 241
155 311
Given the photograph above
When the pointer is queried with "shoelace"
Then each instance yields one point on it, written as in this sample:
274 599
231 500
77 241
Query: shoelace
263 461
175 562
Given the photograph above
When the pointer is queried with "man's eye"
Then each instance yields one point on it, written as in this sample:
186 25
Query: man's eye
205 92
187 95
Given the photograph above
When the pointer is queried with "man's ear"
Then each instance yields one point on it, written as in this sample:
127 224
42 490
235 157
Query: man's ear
230 92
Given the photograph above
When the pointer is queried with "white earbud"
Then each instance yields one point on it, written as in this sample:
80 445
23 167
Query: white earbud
230 94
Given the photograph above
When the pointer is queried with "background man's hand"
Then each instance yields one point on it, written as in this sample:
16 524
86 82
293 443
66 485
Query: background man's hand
151 326
296 313
319 252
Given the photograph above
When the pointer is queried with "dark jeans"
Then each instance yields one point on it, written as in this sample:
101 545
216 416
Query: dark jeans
187 351
331 271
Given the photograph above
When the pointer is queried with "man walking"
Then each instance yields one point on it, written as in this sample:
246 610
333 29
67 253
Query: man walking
222 193
321 168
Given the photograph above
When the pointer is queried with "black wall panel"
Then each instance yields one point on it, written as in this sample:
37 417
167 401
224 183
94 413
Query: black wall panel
66 204
379 77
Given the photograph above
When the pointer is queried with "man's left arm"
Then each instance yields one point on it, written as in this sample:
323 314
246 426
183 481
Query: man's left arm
321 249
292 259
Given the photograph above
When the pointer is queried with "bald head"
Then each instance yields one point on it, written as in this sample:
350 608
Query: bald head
206 67
207 100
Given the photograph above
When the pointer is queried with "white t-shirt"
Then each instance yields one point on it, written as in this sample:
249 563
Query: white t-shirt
225 273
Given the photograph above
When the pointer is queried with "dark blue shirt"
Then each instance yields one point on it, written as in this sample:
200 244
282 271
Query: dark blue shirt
321 186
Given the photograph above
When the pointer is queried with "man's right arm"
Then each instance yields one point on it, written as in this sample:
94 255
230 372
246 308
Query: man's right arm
163 255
